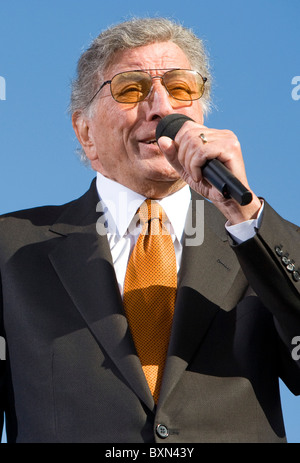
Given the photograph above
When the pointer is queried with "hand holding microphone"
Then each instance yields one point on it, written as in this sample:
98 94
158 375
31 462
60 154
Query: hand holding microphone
213 171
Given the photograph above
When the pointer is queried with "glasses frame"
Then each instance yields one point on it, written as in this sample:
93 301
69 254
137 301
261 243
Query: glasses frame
147 71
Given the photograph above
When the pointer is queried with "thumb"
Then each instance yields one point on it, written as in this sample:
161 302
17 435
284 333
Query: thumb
169 148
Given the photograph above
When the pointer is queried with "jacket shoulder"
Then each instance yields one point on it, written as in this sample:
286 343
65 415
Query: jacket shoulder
44 215
41 215
24 227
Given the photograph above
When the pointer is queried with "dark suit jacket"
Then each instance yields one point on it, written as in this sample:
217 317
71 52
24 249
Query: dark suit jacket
72 373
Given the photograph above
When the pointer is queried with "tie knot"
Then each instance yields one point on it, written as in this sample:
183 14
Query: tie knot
151 210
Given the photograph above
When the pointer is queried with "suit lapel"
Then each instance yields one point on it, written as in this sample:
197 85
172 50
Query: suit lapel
210 280
82 260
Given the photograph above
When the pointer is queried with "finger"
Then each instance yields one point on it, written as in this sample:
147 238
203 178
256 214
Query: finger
170 150
188 128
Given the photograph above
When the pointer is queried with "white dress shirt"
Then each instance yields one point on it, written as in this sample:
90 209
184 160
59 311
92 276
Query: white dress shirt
120 205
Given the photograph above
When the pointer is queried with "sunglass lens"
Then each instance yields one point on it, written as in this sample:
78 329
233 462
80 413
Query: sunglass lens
184 85
130 87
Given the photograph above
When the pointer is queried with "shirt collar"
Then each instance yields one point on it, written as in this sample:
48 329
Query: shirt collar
120 205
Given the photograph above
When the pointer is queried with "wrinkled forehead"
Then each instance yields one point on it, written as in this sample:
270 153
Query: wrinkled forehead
163 55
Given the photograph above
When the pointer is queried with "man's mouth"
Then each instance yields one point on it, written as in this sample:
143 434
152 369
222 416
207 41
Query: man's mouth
150 142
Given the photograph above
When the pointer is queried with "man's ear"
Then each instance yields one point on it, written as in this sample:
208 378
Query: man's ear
82 128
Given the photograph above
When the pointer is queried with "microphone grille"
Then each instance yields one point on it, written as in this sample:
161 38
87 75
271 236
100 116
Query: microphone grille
169 125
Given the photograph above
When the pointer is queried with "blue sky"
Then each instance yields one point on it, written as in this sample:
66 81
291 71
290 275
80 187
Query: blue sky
255 57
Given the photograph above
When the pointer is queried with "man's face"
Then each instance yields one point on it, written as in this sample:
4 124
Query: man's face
120 133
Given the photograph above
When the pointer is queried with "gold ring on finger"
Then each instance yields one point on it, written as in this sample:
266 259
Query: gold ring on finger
203 138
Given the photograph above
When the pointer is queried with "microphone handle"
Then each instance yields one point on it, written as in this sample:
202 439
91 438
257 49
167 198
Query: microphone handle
225 182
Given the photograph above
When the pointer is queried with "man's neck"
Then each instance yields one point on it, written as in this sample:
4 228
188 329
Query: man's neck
158 190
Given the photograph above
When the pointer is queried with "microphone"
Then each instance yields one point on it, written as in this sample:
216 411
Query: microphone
214 171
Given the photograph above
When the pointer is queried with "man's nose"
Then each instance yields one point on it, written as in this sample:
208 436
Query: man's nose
158 101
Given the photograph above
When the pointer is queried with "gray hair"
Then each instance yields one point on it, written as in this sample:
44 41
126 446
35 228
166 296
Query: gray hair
134 33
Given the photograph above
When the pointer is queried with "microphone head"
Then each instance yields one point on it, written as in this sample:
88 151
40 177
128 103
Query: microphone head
169 125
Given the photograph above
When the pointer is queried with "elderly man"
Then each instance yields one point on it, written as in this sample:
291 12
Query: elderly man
118 327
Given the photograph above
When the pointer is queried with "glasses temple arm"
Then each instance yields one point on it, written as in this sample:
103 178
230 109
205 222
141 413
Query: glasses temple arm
101 87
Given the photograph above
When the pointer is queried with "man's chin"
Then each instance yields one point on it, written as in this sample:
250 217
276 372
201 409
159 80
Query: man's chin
164 176
163 184
159 169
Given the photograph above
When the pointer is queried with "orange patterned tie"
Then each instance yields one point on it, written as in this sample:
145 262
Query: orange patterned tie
150 292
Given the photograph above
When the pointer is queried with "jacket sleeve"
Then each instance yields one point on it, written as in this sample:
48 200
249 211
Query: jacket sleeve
271 264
